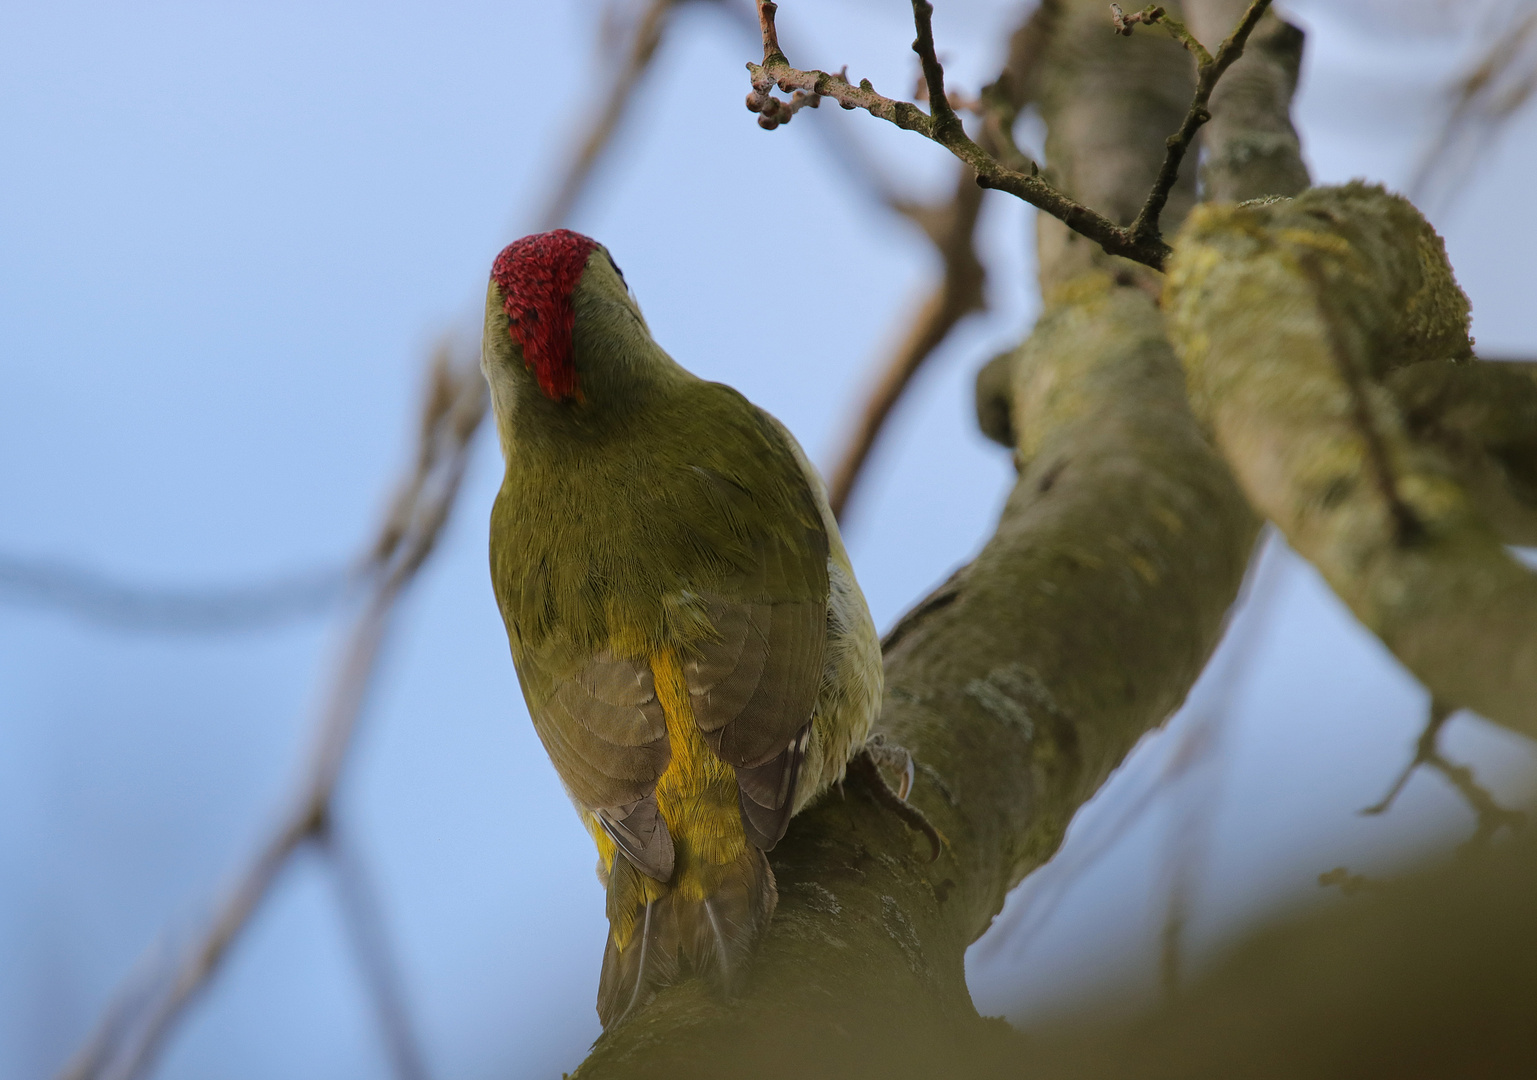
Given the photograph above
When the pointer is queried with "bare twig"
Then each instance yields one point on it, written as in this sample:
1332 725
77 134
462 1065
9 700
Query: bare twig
376 963
1124 23
455 404
1141 241
1498 86
1209 69
951 228
942 126
1492 817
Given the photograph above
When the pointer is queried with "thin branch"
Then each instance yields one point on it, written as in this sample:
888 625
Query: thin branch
455 405
376 962
1492 817
1141 241
1209 69
1486 98
942 127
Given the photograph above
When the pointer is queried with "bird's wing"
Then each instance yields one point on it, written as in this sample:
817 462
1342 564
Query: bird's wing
755 681
599 718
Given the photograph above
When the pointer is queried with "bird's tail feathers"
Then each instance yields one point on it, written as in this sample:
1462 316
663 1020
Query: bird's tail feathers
660 933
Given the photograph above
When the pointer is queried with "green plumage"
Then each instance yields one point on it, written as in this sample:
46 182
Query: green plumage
659 528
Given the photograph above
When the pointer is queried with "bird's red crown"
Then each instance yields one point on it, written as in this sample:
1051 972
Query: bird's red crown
537 275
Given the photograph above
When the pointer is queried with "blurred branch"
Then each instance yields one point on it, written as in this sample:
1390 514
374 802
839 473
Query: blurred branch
637 61
1424 975
1482 417
1492 817
452 410
958 294
370 939
90 595
1141 242
1483 101
951 228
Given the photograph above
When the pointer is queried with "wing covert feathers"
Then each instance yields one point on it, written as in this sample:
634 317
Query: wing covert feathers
755 687
601 723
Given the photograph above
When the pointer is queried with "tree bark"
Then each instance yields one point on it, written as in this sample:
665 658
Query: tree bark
1289 317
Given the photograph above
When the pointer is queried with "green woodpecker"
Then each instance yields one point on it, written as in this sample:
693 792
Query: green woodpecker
695 653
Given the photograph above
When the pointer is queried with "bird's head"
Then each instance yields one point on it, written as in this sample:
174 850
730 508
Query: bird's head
558 314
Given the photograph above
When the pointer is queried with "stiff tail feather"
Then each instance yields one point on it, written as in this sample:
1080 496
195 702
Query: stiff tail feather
659 933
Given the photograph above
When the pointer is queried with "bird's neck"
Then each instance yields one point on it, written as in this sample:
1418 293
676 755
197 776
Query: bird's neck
622 376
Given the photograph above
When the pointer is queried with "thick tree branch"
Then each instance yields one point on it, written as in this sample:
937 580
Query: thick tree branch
1428 975
1287 317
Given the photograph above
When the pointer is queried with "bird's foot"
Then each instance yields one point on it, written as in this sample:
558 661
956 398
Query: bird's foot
870 763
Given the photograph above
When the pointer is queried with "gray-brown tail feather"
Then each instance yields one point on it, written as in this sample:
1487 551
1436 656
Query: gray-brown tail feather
674 938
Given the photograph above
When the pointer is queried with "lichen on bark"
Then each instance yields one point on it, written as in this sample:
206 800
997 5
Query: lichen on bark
1288 316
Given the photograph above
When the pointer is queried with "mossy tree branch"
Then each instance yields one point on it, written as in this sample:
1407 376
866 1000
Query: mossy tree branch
1289 318
1483 418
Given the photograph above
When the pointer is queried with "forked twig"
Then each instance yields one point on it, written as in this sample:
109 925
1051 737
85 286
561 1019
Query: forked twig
1492 817
951 228
1209 69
